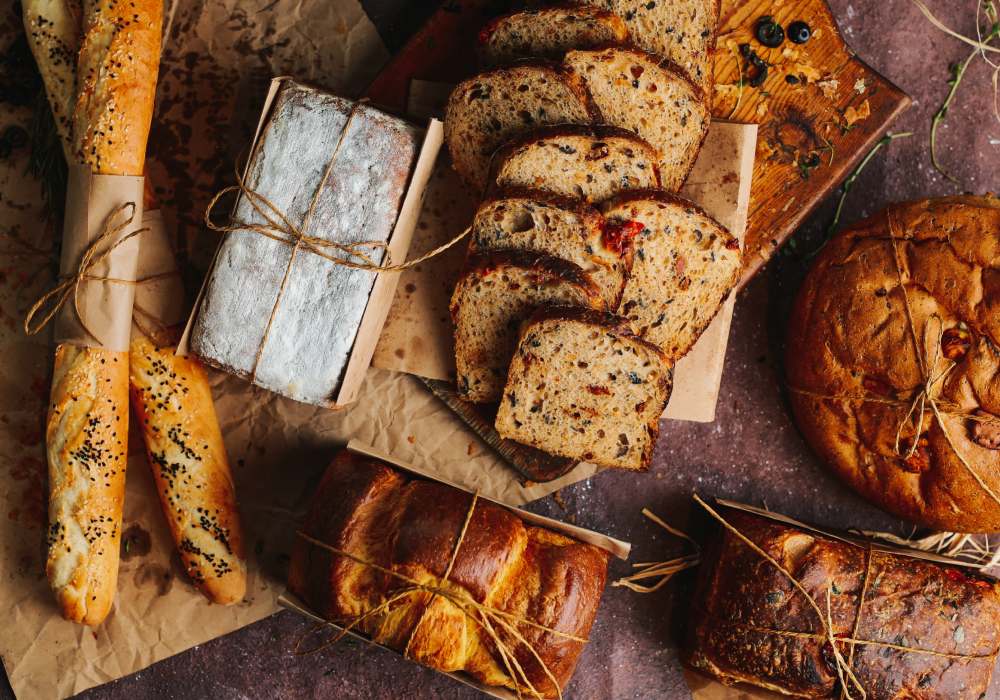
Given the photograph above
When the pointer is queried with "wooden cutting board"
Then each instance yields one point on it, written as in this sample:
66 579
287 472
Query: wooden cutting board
814 126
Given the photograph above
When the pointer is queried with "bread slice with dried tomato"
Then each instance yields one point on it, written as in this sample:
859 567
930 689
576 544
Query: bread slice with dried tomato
535 221
493 296
581 385
685 264
548 32
489 109
683 31
651 97
592 163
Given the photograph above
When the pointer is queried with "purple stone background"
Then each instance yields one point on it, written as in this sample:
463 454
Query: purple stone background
752 452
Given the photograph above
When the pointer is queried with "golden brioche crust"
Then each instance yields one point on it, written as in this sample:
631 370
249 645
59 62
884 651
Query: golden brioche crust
412 526
849 336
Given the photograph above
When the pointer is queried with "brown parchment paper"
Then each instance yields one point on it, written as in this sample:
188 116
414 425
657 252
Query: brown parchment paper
417 337
159 289
104 305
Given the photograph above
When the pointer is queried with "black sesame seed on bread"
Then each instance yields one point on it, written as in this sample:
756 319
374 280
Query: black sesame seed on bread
487 110
548 32
685 264
493 296
592 163
525 219
683 31
651 97
582 386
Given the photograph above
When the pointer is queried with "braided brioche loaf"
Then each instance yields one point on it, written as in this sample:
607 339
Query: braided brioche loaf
412 526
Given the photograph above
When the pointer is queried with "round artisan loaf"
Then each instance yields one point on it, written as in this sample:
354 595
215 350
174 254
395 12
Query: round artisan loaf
854 371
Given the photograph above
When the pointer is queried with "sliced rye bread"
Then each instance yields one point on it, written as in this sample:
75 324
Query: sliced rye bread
582 385
494 295
684 266
531 220
684 31
651 97
592 163
485 111
548 32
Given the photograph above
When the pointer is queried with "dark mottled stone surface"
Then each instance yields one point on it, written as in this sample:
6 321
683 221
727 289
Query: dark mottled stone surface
751 453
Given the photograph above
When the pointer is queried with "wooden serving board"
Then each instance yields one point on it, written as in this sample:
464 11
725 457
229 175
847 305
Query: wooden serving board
812 131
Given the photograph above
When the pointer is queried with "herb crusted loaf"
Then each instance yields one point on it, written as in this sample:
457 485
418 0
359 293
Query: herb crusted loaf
582 385
489 109
548 32
651 97
591 163
685 264
493 296
524 219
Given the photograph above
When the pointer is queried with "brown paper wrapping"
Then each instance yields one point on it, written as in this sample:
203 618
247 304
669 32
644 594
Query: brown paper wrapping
617 548
159 289
105 305
417 337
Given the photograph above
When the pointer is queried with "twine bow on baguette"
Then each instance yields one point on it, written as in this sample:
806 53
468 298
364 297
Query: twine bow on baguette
96 253
276 226
492 620
925 398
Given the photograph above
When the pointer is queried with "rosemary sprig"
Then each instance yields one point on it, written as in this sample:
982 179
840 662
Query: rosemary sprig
849 182
47 162
957 73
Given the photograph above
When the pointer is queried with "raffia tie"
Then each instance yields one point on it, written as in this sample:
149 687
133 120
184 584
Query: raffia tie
277 227
662 571
924 398
96 253
492 620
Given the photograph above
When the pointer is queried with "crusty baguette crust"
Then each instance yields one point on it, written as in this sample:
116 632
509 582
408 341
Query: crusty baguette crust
412 526
173 403
86 442
53 31
116 78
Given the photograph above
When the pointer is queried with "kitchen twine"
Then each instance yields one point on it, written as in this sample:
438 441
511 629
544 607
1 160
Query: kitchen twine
279 228
69 288
492 620
923 400
845 672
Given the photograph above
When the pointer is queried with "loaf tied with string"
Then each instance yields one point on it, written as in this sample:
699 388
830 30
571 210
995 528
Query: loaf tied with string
905 627
543 584
893 361
282 305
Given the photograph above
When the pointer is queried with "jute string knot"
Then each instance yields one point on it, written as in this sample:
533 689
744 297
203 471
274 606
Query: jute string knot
926 397
275 225
492 620
69 288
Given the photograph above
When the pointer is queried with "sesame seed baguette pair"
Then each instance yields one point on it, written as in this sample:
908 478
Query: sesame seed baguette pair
99 62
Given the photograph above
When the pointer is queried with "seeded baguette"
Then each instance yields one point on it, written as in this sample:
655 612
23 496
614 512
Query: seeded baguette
559 226
494 295
651 97
685 265
581 385
548 32
485 111
104 123
684 31
591 163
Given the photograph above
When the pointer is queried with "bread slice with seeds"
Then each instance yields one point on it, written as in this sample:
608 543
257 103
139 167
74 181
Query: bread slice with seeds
582 385
683 31
494 295
548 32
566 228
592 163
685 264
485 111
651 97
